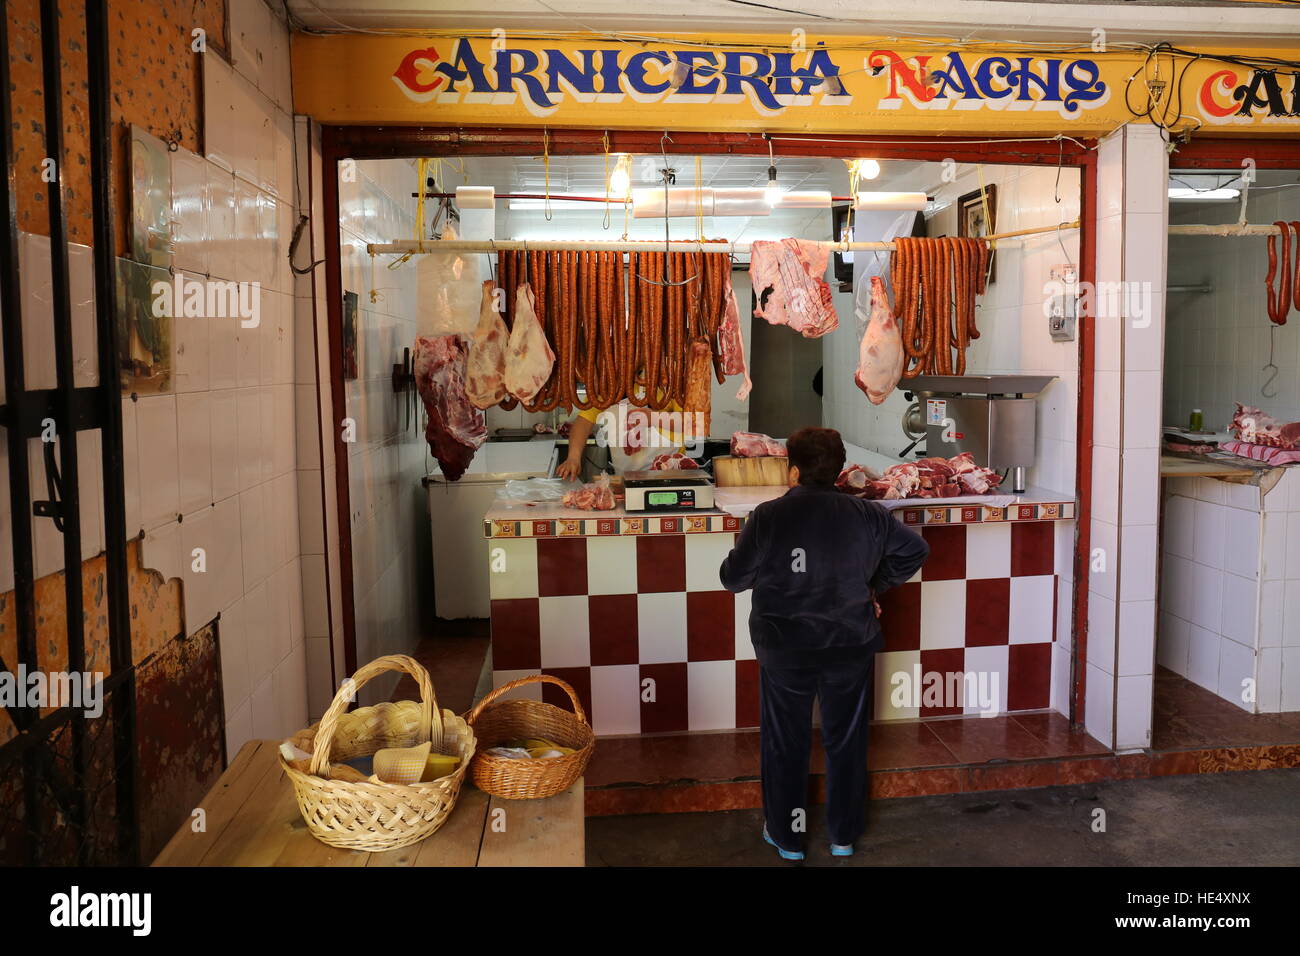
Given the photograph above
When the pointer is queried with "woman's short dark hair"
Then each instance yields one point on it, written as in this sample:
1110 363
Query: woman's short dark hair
818 453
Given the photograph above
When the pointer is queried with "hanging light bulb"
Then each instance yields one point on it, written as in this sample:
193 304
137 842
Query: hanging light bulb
620 177
868 169
772 194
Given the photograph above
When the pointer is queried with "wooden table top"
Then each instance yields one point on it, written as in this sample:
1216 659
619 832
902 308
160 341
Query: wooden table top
252 819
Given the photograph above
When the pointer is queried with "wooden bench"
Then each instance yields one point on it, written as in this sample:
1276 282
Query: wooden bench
252 819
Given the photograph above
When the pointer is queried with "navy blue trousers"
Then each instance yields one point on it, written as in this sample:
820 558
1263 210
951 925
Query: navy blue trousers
842 683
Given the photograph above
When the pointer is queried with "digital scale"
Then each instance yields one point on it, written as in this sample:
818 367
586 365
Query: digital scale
668 490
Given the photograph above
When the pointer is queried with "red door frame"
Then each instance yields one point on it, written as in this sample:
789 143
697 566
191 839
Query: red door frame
406 142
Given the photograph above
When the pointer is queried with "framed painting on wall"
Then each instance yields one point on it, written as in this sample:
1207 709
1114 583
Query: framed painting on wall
349 335
977 216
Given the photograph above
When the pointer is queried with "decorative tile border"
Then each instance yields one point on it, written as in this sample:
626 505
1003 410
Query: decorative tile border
724 523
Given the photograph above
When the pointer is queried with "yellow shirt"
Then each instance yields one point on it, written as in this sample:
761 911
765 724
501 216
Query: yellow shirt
640 460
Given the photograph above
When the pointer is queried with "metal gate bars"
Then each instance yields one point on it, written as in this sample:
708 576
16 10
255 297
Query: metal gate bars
55 752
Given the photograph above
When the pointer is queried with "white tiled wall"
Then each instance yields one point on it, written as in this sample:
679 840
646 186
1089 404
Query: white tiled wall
1219 340
213 465
1014 337
388 458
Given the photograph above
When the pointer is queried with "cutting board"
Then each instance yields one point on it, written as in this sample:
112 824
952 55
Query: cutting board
732 472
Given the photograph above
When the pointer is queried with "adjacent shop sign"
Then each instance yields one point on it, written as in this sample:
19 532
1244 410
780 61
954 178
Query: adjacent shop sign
859 85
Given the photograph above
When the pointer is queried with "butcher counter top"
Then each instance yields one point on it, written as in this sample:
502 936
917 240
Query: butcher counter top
543 520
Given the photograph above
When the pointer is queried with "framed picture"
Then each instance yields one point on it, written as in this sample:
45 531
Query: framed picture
349 335
842 267
977 216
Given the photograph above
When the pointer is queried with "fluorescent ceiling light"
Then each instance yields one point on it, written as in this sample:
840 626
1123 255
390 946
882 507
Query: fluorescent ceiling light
1184 192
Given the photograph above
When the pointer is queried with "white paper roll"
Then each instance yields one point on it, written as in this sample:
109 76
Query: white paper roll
914 201
476 197
817 199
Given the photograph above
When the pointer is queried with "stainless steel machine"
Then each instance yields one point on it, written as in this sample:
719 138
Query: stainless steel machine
990 416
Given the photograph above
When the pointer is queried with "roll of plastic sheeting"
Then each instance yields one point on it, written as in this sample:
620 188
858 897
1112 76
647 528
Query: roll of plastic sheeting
913 201
682 201
476 197
817 199
740 202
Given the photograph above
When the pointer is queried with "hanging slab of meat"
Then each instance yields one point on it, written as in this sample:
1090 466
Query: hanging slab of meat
485 369
456 428
755 445
529 357
880 355
1256 427
787 278
697 406
731 343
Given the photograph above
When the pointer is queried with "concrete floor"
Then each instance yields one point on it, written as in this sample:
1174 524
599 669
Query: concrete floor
1223 819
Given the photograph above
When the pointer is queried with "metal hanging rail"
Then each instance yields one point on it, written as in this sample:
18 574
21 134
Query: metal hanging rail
420 246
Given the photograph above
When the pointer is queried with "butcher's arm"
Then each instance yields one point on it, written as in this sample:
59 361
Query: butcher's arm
904 552
740 567
579 431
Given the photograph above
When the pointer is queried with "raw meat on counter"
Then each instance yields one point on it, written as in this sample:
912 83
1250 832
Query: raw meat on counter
1256 427
754 445
787 278
485 368
731 343
674 461
456 429
880 356
594 496
926 478
529 357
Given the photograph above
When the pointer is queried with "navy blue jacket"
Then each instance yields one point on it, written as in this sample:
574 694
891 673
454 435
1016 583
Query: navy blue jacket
816 558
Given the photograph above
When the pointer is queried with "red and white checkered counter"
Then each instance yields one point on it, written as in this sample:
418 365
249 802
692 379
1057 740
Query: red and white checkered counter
629 610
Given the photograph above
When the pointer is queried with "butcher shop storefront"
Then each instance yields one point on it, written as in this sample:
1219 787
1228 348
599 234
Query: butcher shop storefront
618 278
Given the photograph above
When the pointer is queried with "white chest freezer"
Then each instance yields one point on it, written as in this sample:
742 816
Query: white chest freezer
456 510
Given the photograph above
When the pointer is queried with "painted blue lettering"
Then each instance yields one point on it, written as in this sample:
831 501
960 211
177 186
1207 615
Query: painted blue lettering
609 71
821 67
995 67
559 66
1050 87
1085 87
957 78
463 65
635 72
709 74
737 78
507 73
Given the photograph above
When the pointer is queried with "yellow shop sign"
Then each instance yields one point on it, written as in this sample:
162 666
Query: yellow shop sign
847 85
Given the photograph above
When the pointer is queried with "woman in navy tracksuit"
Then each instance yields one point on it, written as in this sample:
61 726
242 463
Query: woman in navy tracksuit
817 560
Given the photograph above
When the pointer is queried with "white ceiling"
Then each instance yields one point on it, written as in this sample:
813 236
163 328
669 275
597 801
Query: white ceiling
1072 21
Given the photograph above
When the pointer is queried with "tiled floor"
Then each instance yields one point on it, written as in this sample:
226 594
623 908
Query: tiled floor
1195 732
454 655
734 755
1188 716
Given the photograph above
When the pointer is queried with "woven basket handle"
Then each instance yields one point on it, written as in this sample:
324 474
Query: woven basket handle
535 679
430 716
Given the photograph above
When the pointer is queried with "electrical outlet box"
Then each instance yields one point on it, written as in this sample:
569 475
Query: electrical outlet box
1062 311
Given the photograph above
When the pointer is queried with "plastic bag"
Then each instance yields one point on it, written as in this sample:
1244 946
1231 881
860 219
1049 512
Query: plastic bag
533 490
448 290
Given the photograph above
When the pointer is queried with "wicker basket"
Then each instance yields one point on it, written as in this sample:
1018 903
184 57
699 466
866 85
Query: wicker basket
495 723
379 816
